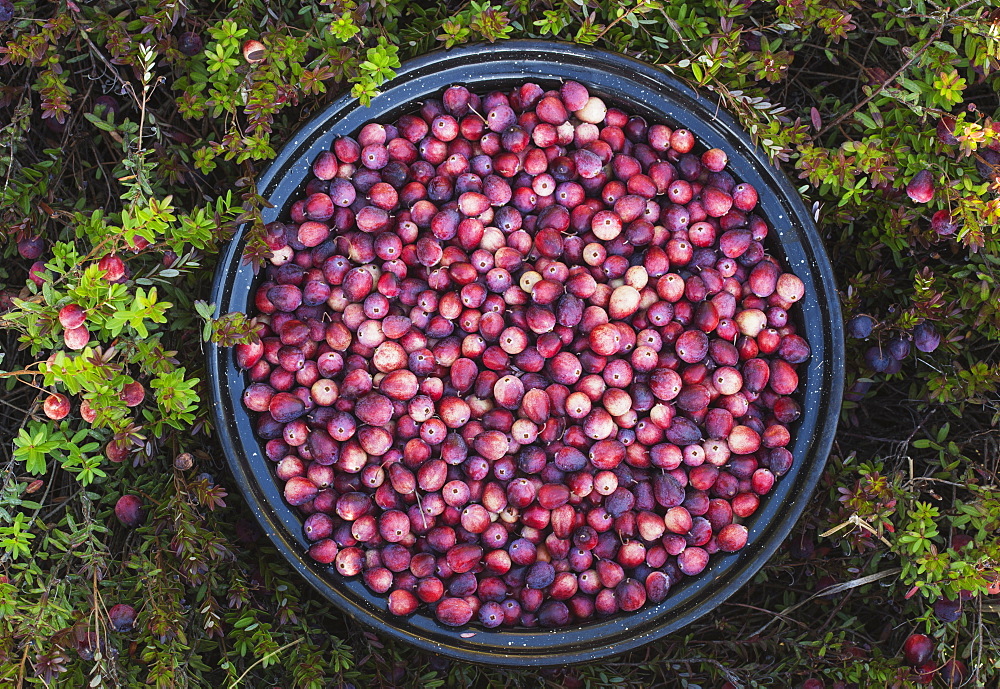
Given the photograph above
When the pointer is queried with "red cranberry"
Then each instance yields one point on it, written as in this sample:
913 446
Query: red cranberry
129 510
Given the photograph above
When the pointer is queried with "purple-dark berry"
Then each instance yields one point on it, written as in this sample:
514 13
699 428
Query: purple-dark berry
926 338
948 610
878 358
190 43
122 617
860 327
899 348
943 223
129 510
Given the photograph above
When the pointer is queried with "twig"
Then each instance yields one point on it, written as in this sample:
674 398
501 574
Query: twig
836 609
917 479
14 406
836 588
63 503
612 24
262 659
711 661
22 372
126 86
856 521
770 612
917 53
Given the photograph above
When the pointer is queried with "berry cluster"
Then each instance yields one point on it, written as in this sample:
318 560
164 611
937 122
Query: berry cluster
524 358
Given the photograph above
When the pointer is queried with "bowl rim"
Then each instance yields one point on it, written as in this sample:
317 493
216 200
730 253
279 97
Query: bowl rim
620 78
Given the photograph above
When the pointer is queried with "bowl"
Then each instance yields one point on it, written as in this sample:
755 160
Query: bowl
639 89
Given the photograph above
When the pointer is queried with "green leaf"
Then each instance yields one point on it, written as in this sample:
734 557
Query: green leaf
204 309
99 123
943 432
33 449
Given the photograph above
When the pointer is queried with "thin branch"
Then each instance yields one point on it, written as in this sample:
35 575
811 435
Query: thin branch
913 58
771 612
878 91
610 26
262 659
126 86
836 588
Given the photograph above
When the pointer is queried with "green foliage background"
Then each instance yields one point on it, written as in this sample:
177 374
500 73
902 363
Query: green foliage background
845 96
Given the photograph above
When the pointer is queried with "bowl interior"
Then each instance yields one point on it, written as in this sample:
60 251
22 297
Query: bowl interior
638 89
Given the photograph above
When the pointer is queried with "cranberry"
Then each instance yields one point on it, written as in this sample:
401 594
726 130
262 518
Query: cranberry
76 338
917 649
56 406
122 617
948 610
129 510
